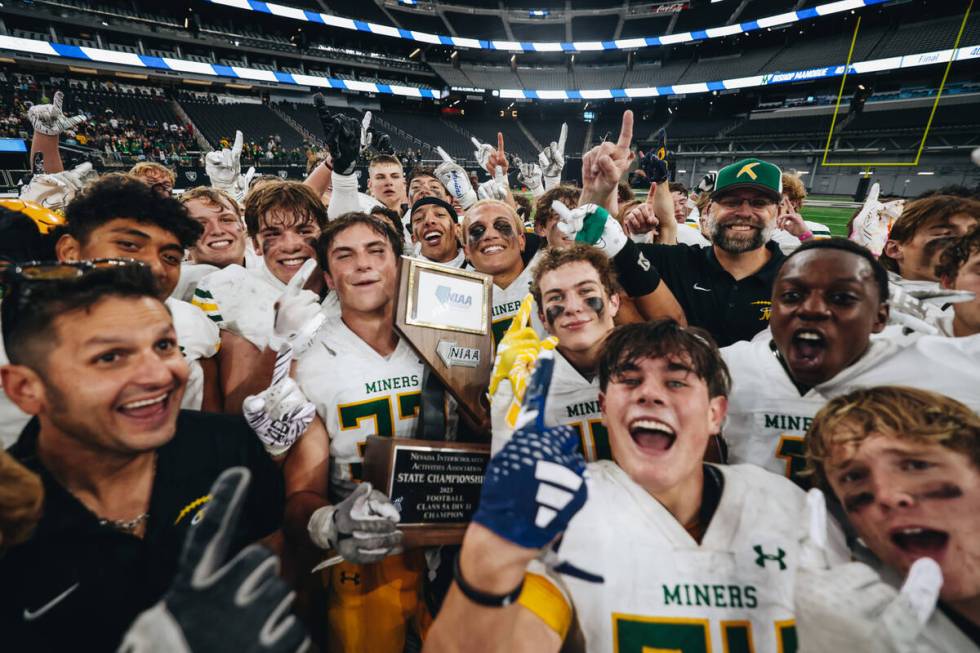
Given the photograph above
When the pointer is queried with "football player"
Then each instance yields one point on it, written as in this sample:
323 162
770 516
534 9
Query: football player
435 231
655 551
959 269
828 298
903 465
119 217
575 293
386 182
364 380
923 230
284 219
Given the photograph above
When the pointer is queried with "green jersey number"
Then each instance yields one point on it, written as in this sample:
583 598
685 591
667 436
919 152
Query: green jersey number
792 451
380 411
635 634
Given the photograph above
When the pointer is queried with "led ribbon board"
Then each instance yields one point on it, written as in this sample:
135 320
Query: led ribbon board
705 34
236 72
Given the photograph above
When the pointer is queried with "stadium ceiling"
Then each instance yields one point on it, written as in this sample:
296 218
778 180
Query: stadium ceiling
704 34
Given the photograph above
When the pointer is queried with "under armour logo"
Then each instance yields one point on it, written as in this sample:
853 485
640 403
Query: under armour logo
642 261
747 170
350 578
762 557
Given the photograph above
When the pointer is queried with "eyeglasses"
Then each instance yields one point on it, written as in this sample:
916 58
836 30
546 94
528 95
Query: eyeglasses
17 275
755 203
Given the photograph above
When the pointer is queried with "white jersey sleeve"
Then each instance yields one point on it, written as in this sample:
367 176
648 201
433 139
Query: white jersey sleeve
663 590
198 338
190 275
357 393
241 301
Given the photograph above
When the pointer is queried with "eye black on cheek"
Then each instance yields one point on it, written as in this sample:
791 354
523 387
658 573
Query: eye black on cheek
475 236
596 304
855 502
554 312
943 491
504 228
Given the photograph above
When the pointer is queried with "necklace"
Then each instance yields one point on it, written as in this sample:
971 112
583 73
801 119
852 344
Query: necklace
124 525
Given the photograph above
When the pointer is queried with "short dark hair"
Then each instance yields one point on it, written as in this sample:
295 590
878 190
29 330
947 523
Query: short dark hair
382 212
957 253
346 221
627 344
116 196
678 187
918 213
845 245
28 320
279 195
552 258
421 171
565 193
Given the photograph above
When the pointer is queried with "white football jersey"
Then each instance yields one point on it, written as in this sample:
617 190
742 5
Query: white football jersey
506 302
357 393
190 275
767 417
198 338
662 590
572 400
241 301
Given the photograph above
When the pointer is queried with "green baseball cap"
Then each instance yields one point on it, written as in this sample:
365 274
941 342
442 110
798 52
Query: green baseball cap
750 173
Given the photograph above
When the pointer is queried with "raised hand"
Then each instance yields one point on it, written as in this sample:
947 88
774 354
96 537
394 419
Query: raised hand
591 224
299 315
362 528
530 176
655 163
482 153
344 136
872 223
537 482
789 220
281 413
552 159
455 179
606 163
496 188
49 119
57 189
224 166
247 605
642 218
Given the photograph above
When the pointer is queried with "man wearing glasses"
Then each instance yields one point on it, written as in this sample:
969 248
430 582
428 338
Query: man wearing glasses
726 288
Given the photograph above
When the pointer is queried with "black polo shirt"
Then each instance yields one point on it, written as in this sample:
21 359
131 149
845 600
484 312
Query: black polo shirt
711 297
76 585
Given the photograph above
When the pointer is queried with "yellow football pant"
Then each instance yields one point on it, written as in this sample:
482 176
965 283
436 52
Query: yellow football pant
370 606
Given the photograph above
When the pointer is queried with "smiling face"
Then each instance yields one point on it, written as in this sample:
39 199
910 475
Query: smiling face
115 376
223 240
286 241
436 230
127 238
493 239
426 186
575 306
363 270
659 417
681 209
742 220
825 306
910 499
386 183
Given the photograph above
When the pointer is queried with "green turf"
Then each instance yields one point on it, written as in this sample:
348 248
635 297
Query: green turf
835 219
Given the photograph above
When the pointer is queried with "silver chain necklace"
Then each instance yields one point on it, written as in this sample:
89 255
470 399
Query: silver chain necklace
124 525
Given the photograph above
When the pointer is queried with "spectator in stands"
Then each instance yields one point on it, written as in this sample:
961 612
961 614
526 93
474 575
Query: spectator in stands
96 359
959 269
283 219
120 217
159 177
386 182
925 228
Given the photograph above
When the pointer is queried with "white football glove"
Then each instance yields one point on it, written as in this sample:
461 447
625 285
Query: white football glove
530 175
455 179
49 119
873 222
848 607
552 159
366 135
57 189
496 188
224 166
281 413
482 152
362 528
299 315
591 224
917 305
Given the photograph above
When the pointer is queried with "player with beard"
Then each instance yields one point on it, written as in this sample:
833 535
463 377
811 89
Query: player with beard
923 230
435 231
904 465
284 219
577 298
363 380
653 550
224 241
829 297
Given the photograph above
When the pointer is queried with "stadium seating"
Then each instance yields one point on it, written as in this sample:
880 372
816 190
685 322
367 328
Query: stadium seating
256 121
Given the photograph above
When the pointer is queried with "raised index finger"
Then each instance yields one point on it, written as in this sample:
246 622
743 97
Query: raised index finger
626 131
500 142
236 149
444 155
562 136
299 279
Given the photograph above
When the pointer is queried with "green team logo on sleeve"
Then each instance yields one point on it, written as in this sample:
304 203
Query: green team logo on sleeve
762 557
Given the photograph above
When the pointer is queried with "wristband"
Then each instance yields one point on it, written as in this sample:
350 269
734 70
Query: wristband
482 598
806 235
635 272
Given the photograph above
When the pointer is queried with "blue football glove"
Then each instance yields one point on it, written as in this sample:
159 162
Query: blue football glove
536 483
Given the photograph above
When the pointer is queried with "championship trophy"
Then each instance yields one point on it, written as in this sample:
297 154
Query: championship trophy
444 314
